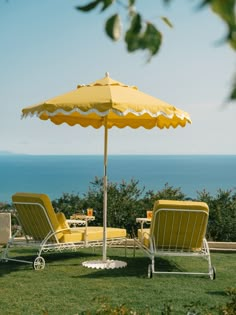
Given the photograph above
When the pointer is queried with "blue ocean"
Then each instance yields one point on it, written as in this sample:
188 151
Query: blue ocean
55 175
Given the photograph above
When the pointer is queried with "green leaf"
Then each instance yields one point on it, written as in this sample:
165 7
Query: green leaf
131 2
89 7
106 4
167 21
113 27
132 36
136 24
232 36
233 92
225 9
151 39
132 40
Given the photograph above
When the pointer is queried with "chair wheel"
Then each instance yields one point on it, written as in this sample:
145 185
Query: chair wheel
213 273
149 271
39 263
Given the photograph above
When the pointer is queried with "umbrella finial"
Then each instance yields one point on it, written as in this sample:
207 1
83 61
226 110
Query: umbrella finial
107 74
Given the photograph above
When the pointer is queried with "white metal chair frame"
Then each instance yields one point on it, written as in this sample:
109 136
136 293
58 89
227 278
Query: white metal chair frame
50 242
159 250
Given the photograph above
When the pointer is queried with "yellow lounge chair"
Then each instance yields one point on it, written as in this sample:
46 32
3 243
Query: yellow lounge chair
177 228
50 231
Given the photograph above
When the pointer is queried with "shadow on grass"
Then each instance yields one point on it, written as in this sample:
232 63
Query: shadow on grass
62 259
136 267
217 293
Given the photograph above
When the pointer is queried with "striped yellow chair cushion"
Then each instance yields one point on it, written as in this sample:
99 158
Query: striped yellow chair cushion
177 225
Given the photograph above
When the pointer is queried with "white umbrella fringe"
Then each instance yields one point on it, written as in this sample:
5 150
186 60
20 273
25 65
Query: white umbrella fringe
106 113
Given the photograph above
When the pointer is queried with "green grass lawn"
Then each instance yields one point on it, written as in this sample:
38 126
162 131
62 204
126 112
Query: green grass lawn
66 287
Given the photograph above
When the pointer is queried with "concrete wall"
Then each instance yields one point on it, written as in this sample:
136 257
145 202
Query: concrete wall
5 227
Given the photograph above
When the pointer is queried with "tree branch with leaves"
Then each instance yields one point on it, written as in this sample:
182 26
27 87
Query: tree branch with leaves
141 34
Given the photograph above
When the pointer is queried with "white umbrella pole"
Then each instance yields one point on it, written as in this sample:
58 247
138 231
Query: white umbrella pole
105 263
104 253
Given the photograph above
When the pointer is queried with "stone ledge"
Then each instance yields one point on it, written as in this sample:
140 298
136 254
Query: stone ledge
213 246
222 246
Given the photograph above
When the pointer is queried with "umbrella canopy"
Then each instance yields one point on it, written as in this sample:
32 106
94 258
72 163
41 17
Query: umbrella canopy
108 103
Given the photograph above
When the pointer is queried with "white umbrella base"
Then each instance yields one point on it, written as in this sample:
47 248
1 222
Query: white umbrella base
107 264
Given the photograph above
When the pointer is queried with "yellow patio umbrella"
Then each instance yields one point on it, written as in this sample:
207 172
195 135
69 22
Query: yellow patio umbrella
108 103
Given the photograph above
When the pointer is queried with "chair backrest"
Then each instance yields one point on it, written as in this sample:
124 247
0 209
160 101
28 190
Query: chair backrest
179 225
36 215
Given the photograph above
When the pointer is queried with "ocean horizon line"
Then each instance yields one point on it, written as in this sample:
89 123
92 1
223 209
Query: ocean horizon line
9 153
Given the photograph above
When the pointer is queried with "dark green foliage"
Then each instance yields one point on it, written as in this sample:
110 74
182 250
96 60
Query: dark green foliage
126 201
168 192
233 92
222 217
69 204
88 7
113 27
151 39
131 2
132 35
226 11
92 5
106 4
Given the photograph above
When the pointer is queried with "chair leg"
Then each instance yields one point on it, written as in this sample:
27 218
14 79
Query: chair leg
134 248
4 256
150 273
126 247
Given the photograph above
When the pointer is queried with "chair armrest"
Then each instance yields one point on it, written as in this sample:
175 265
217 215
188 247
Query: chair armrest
142 221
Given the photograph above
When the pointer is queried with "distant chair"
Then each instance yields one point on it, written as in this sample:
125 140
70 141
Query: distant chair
49 231
177 228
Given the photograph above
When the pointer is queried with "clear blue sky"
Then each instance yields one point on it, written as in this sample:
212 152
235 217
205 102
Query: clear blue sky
47 48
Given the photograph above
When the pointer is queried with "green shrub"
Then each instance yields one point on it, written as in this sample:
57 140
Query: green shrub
222 215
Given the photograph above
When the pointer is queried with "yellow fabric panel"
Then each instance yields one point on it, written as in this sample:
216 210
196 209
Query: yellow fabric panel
76 236
32 217
173 229
181 204
94 233
122 105
62 220
143 236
